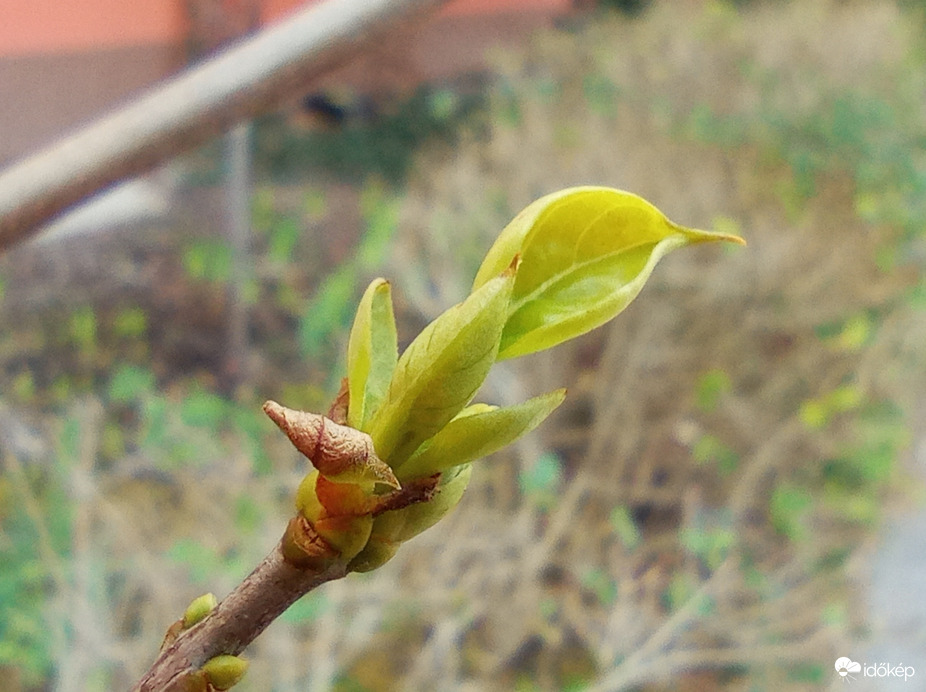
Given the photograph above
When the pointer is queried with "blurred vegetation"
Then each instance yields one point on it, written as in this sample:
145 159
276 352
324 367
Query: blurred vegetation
342 135
770 439
361 139
726 448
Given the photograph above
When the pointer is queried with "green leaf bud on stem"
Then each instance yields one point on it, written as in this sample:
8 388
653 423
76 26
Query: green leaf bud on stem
224 671
394 527
199 609
422 516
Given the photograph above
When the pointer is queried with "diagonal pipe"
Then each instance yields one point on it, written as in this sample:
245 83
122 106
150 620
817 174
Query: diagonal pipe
248 78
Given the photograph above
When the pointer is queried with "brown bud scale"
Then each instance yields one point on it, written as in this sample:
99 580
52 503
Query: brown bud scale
335 450
303 547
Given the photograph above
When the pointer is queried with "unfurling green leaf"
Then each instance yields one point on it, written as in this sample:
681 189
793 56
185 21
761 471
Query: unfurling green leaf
441 370
477 432
585 254
568 263
372 352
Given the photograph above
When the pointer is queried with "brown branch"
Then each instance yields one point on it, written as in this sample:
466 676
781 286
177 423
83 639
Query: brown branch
269 590
302 560
247 79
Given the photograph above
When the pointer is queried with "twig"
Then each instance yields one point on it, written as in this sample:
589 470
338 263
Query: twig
186 111
302 560
673 663
269 590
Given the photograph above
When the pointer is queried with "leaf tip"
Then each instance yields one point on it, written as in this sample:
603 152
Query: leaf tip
696 235
377 470
275 412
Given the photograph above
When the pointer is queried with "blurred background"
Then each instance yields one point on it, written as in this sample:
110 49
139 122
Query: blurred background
732 495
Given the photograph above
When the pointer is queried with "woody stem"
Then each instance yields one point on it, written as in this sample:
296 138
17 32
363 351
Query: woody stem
264 594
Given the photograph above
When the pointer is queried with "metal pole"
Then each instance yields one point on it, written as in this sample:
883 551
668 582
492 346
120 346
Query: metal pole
186 111
238 199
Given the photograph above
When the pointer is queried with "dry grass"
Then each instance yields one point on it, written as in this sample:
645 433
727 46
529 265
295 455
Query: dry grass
631 428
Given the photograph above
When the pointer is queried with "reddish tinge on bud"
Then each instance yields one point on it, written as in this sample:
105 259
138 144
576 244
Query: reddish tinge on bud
339 452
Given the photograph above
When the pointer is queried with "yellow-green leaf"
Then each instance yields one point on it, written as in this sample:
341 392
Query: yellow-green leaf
585 254
477 432
441 370
372 352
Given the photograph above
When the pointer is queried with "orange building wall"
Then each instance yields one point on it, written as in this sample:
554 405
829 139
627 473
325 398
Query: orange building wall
63 62
29 27
33 27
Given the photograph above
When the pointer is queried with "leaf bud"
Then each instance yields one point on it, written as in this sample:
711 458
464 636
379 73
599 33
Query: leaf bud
198 609
339 452
225 671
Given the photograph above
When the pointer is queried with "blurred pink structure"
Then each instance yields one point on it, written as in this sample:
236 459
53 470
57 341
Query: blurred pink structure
62 63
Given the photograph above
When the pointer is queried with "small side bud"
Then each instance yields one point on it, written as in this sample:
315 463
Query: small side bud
199 609
224 671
